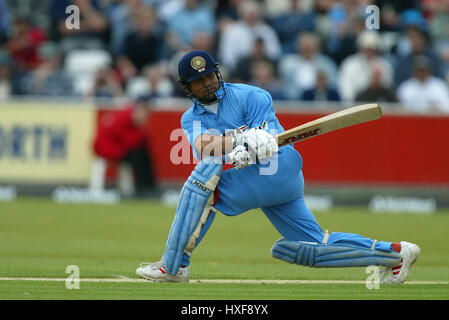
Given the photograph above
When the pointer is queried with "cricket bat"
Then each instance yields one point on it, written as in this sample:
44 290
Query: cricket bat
334 121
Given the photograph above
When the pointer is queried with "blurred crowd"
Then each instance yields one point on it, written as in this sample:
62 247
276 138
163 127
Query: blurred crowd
308 50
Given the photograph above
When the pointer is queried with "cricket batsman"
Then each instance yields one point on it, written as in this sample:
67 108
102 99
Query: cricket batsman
237 122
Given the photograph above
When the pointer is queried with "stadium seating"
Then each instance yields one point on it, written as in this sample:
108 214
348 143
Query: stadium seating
82 66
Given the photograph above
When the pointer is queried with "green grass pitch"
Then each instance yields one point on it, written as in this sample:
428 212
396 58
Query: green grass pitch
39 239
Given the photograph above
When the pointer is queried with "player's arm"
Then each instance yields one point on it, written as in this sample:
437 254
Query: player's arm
210 145
207 144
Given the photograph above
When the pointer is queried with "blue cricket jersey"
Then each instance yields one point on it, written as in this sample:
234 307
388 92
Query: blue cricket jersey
259 185
241 105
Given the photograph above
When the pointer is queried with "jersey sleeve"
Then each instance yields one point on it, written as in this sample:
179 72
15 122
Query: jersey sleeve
259 108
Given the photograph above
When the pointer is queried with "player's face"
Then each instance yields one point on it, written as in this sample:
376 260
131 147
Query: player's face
204 88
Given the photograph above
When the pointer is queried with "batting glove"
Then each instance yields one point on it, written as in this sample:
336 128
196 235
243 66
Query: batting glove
240 157
258 142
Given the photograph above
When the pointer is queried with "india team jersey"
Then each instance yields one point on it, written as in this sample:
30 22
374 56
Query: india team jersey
242 105
259 185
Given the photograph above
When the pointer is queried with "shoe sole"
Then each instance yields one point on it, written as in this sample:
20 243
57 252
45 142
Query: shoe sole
145 277
158 280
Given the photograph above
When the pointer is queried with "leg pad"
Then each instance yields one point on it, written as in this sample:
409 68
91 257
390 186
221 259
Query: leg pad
192 213
331 256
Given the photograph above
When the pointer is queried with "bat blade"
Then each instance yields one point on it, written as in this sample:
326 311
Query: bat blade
334 121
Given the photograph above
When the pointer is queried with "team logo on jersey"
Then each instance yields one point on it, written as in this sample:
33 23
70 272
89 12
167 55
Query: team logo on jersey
198 63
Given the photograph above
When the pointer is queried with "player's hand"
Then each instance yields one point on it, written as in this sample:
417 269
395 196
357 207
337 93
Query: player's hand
240 157
258 142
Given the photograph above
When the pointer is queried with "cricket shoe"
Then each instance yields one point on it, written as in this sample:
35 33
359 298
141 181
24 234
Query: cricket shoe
156 272
399 273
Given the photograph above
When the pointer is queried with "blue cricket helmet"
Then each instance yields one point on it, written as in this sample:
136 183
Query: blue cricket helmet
195 64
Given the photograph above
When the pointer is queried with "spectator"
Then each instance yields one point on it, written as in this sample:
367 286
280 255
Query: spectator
49 78
244 32
438 12
166 9
415 43
275 8
123 136
145 43
322 90
125 70
227 9
194 17
4 22
263 76
411 20
321 9
226 13
376 91
290 23
203 41
390 32
5 76
389 19
242 71
106 84
355 70
93 26
439 31
23 45
399 5
338 27
443 53
423 92
154 82
298 71
120 13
